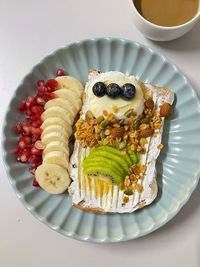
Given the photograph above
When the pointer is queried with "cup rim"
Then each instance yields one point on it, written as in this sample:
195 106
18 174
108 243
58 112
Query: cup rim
164 27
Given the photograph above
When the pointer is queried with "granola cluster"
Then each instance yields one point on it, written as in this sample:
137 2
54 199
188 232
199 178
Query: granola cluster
129 133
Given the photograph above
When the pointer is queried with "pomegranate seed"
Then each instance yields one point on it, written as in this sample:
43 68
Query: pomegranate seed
37 123
39 145
22 105
41 90
40 101
37 109
49 96
34 138
30 102
25 155
35 159
32 170
60 72
28 112
18 128
35 117
27 122
18 151
41 82
25 139
52 83
36 131
35 183
36 151
37 164
27 130
24 142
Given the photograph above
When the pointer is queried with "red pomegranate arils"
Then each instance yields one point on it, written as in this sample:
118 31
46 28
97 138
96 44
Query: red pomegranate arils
26 154
30 102
27 130
18 128
60 72
37 123
36 131
27 122
41 90
36 151
35 183
24 142
30 147
35 117
34 138
40 101
49 96
35 159
41 83
18 151
22 105
28 112
37 164
52 83
37 109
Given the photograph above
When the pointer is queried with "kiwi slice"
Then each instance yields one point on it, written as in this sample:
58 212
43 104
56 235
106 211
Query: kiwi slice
96 161
114 151
101 169
108 155
137 156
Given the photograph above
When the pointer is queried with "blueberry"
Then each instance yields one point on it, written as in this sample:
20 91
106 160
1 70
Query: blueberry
128 91
113 90
99 89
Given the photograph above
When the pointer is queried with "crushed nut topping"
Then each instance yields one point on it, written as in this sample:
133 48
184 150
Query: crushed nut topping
131 132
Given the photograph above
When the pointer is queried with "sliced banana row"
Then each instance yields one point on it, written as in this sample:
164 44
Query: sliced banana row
58 119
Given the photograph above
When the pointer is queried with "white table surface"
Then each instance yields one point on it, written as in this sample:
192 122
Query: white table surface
30 30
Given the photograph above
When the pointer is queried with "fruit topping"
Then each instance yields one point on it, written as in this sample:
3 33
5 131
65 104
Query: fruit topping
113 90
99 89
60 72
109 162
30 148
52 85
52 178
128 91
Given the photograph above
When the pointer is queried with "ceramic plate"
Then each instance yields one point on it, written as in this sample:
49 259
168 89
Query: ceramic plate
178 164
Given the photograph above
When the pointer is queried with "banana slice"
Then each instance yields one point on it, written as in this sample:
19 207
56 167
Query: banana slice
56 146
56 157
63 103
53 178
57 112
55 121
70 83
54 129
63 92
69 95
54 136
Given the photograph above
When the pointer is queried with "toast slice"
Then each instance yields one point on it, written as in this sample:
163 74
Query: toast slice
94 194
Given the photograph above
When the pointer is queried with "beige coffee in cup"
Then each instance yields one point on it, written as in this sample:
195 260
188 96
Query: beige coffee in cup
167 12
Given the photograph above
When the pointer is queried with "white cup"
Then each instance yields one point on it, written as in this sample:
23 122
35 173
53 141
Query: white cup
157 32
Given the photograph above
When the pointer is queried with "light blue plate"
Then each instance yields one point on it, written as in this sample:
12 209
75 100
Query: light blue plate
178 165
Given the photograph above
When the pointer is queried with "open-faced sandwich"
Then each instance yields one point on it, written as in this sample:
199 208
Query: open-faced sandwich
117 139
